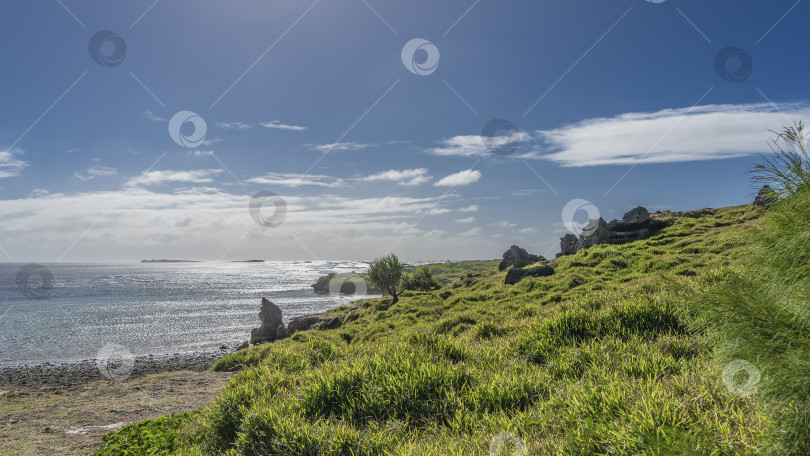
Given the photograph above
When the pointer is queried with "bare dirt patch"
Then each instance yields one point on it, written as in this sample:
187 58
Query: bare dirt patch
71 420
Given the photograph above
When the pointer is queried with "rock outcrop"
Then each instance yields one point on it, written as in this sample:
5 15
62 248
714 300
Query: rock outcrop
766 197
517 256
515 275
272 327
348 284
635 225
318 322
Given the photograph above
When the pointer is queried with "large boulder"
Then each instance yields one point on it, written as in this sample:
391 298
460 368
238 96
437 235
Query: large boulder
516 255
636 216
270 316
593 233
635 225
515 275
568 244
766 197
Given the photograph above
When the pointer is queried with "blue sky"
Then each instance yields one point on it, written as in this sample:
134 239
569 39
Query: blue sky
618 103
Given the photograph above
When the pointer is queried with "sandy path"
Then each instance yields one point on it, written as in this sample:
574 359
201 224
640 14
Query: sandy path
71 420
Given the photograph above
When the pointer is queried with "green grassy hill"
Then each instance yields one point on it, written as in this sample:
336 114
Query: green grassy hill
601 358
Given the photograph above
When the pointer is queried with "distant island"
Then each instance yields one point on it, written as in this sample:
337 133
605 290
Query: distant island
247 261
169 261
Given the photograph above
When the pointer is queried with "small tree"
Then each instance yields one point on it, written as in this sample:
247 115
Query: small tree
385 273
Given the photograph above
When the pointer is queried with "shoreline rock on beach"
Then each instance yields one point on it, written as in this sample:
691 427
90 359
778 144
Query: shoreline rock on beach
272 327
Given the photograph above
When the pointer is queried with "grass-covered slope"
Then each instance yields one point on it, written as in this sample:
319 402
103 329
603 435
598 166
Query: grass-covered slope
597 359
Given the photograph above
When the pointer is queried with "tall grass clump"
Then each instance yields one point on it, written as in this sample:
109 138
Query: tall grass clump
761 311
788 167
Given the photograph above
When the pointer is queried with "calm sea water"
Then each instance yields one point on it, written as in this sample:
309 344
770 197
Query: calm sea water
148 308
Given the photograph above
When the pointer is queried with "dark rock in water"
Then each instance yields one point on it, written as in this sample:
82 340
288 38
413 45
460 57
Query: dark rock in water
635 225
270 316
766 197
516 255
243 345
348 283
516 275
322 285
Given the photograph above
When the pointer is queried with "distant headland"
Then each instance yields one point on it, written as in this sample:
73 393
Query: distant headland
169 261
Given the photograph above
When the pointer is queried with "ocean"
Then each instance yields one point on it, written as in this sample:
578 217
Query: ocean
66 312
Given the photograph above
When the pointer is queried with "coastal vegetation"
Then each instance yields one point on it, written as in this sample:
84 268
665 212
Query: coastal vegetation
691 342
386 274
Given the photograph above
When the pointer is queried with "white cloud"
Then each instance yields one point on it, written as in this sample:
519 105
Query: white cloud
280 126
471 232
298 180
462 146
409 177
200 153
39 192
473 208
466 177
211 141
672 135
527 230
198 176
10 166
204 223
149 115
341 146
94 172
234 125
474 145
465 220
438 211
504 224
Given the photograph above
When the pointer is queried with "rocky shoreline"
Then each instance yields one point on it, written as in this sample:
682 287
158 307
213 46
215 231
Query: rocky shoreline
15 377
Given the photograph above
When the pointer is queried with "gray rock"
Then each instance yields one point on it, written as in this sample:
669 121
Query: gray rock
593 233
516 255
515 275
635 225
637 215
302 323
270 316
766 197
568 244
282 332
